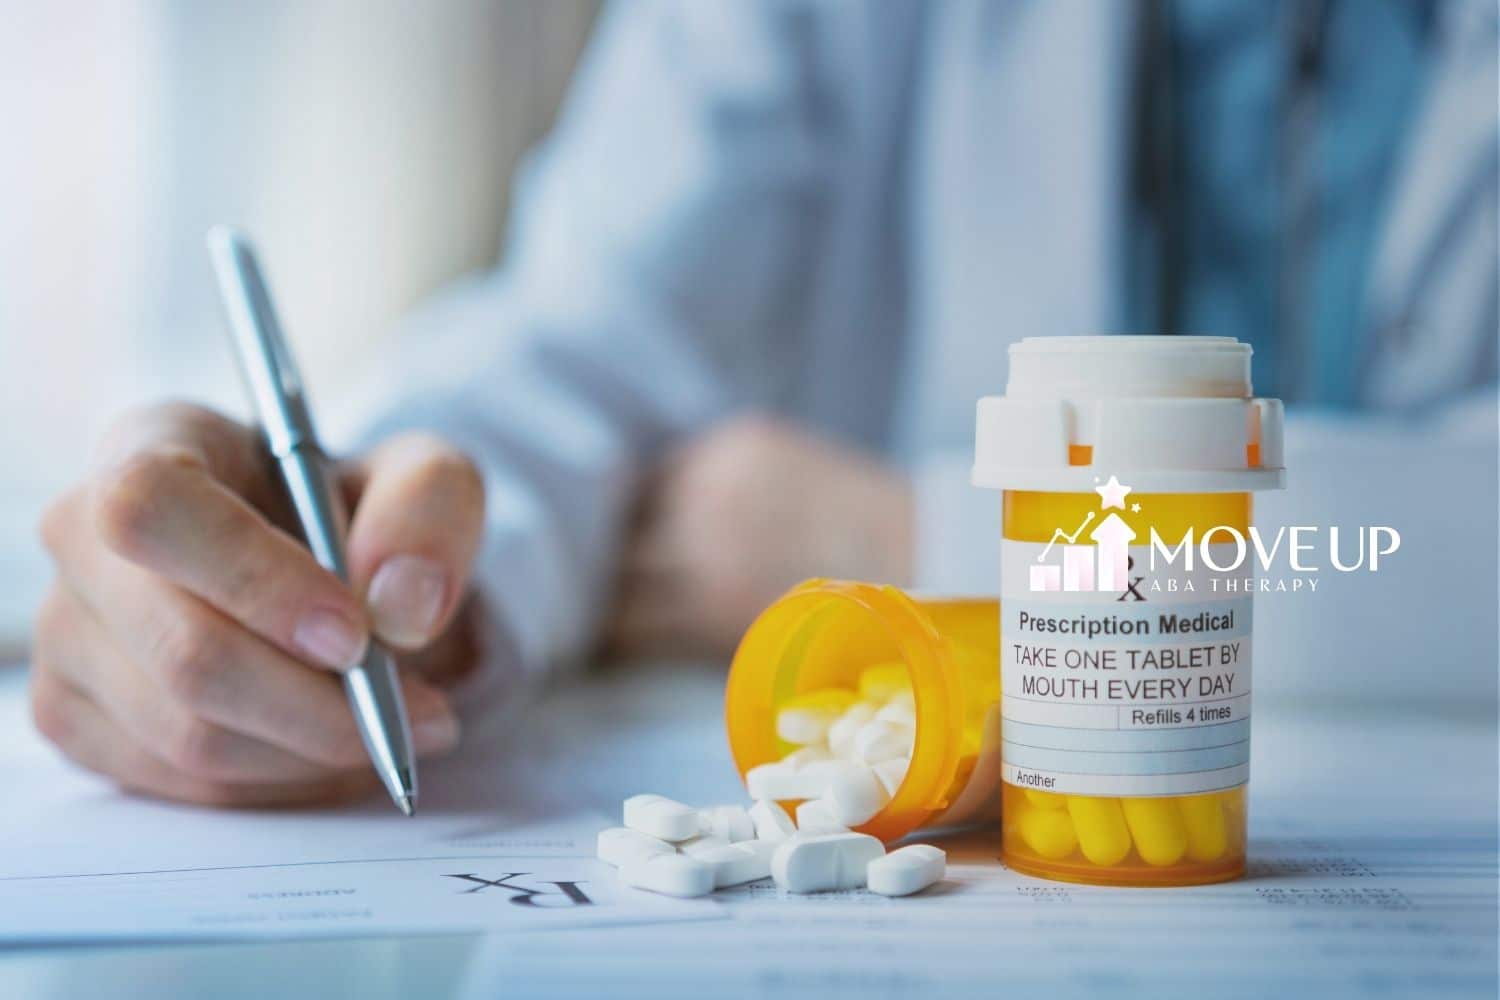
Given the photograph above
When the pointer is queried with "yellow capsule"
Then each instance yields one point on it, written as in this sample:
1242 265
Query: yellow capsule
1048 832
1157 827
883 681
1045 800
1207 833
1102 834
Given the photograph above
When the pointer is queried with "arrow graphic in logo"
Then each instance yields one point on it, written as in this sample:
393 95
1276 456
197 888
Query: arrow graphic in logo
1112 538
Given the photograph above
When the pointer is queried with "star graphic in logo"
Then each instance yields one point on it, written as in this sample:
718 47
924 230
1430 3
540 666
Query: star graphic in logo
1135 508
1112 494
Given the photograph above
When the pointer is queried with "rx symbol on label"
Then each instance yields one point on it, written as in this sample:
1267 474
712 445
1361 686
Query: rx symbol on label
566 893
1130 587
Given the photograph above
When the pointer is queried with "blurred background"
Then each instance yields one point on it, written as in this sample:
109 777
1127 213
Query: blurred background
370 156
369 147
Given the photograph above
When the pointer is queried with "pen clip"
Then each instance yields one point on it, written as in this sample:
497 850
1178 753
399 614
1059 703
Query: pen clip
265 361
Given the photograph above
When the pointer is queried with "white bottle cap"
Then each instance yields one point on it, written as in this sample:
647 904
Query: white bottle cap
1163 414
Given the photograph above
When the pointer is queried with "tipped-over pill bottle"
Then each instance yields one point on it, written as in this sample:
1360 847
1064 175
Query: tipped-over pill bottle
859 705
1126 593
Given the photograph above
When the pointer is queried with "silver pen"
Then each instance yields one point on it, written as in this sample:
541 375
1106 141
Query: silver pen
276 391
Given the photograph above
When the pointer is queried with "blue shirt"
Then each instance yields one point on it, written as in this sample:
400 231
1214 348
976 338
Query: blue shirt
1289 280
844 213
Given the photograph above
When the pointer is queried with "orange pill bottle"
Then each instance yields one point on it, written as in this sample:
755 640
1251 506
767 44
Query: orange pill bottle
832 636
1127 588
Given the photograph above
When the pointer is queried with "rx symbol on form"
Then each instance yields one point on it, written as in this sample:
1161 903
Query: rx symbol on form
525 895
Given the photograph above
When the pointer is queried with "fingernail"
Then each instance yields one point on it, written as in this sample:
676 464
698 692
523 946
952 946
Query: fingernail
406 597
329 638
435 735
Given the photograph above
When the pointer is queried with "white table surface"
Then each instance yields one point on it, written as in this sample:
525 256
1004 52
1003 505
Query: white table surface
1421 788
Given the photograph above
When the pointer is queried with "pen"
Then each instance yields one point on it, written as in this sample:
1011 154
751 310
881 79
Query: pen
276 392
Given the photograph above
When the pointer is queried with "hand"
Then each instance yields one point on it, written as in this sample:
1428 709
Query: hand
190 646
736 517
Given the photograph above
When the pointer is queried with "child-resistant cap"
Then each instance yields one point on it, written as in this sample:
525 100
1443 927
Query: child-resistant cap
1165 413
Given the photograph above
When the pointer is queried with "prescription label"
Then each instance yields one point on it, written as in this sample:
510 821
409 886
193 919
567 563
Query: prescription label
1117 679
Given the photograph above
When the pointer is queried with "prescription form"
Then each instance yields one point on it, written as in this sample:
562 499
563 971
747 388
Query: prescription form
1373 871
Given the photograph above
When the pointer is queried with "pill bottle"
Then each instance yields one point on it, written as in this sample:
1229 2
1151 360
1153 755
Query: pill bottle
1126 593
828 636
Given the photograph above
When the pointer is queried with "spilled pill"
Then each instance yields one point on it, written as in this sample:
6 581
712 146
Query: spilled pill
854 794
669 875
661 817
906 870
824 862
771 822
815 816
736 864
732 823
695 846
816 854
620 845
781 781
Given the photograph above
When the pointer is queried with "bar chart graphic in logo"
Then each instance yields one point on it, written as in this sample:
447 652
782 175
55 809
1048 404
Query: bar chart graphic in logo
1101 566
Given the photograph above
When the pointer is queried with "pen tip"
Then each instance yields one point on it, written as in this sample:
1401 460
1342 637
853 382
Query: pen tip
407 804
